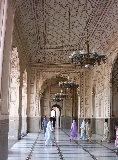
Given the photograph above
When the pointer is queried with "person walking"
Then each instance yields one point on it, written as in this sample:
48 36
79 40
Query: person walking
88 130
83 131
44 124
54 120
49 135
116 141
73 130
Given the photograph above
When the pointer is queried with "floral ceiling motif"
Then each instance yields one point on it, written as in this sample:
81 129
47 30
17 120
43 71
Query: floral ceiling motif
51 29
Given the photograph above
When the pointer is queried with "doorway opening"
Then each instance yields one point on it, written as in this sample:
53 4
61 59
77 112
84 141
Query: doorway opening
53 113
56 112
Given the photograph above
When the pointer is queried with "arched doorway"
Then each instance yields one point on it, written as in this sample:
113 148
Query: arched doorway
53 113
56 112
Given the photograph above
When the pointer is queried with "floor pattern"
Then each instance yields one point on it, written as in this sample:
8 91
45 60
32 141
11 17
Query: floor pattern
32 147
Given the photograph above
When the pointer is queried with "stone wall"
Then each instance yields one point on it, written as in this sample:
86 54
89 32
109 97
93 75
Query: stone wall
13 127
66 122
103 92
4 125
33 124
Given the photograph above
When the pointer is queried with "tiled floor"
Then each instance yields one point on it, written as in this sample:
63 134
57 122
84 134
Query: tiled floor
32 147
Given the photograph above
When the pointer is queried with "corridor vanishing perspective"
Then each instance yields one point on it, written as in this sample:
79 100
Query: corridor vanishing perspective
33 147
58 58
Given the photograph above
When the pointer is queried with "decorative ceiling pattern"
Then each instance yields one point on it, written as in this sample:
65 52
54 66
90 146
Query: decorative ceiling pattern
51 29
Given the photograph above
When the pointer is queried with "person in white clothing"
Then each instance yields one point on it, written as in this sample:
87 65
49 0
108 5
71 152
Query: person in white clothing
49 135
83 131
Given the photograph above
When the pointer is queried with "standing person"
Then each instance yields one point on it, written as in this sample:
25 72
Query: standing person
106 131
116 141
88 130
73 130
54 120
44 124
49 136
83 131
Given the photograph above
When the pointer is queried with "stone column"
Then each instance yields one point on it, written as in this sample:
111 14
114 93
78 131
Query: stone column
33 95
24 105
39 110
14 95
3 12
6 51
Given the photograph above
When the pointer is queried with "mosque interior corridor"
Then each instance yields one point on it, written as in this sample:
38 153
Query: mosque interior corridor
32 147
58 58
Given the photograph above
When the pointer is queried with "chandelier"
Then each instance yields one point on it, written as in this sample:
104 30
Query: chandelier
61 95
68 84
87 58
57 99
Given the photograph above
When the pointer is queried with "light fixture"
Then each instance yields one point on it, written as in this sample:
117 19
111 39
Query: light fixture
61 95
87 58
57 99
68 84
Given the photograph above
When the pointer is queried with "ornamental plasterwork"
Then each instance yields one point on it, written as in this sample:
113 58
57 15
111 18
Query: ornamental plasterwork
114 86
14 59
101 79
15 69
82 95
50 74
32 92
101 94
87 94
49 83
14 3
68 112
14 82
44 27
24 94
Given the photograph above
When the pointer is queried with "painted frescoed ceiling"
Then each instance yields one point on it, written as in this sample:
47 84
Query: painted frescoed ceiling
50 30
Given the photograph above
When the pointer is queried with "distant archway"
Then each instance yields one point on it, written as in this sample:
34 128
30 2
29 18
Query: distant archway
56 110
53 113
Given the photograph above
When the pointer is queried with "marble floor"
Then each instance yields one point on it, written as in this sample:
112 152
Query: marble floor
32 147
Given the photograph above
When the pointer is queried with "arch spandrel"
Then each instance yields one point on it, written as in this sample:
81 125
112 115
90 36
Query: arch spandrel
45 77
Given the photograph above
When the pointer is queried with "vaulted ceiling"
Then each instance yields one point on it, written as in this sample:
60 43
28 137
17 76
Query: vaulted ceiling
50 30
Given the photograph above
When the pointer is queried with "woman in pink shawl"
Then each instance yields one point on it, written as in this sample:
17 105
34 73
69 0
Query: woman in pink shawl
73 130
116 141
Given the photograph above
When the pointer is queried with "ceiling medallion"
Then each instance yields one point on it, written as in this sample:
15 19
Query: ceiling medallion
87 58
68 84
